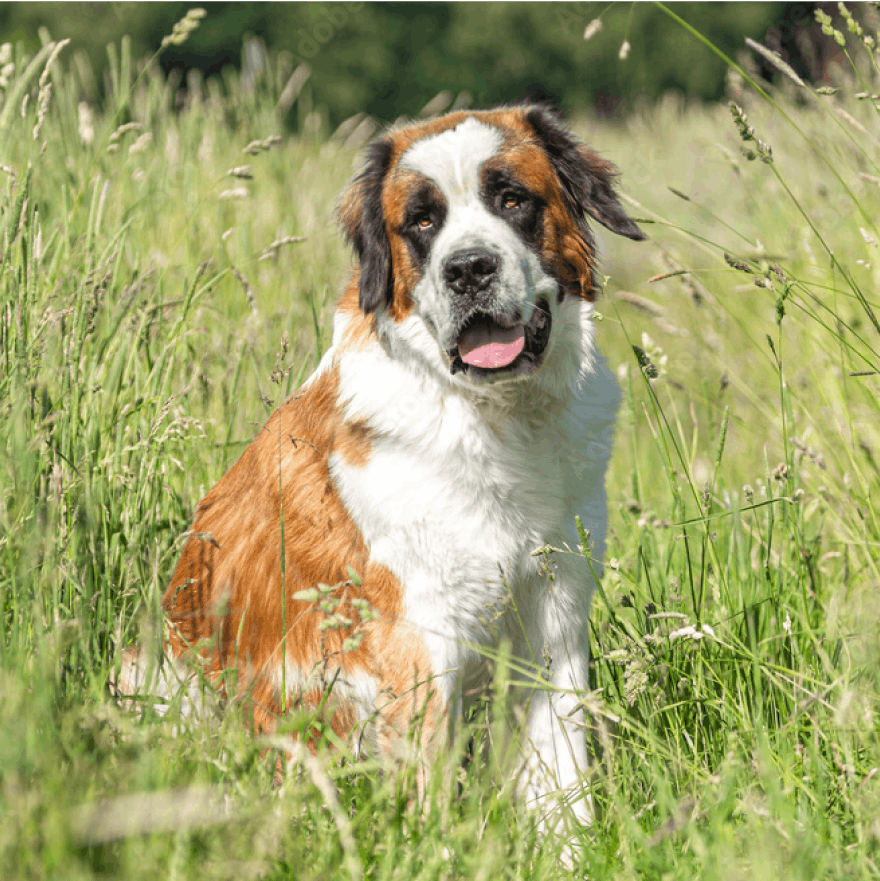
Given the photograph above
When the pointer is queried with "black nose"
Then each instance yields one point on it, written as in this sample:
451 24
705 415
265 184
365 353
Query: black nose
471 270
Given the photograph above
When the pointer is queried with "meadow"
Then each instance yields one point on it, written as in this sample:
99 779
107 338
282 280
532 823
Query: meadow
170 261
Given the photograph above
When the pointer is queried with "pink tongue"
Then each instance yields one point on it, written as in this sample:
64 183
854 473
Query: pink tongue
491 346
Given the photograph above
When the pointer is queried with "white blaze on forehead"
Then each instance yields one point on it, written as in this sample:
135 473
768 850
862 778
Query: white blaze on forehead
452 158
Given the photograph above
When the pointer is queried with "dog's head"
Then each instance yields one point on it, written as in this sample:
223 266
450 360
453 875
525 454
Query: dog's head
474 224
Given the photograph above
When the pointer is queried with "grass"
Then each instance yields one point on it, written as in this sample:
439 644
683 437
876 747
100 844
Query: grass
144 297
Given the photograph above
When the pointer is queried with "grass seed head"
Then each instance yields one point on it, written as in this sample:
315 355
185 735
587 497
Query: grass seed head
181 31
853 26
123 130
7 66
45 92
141 143
592 29
775 59
828 28
736 264
747 133
254 148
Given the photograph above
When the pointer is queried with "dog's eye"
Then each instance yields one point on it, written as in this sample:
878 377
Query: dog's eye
423 221
511 200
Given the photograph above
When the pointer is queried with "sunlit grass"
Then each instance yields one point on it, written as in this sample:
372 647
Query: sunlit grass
144 294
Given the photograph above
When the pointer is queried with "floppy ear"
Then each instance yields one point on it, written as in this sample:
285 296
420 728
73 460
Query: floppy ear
586 178
363 221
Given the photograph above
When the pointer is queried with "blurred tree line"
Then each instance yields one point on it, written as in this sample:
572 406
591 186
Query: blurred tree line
389 59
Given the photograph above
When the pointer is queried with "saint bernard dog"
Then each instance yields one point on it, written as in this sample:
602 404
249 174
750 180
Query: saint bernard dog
377 540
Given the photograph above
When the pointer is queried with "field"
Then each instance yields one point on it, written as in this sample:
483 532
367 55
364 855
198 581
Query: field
167 277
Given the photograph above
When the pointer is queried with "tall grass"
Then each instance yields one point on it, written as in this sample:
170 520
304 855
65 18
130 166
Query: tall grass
150 272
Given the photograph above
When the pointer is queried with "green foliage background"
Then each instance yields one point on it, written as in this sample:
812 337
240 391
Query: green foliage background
389 59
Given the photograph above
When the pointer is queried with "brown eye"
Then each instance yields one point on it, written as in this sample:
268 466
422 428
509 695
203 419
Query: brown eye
511 201
424 222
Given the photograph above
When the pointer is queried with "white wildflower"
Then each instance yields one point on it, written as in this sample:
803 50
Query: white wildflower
694 633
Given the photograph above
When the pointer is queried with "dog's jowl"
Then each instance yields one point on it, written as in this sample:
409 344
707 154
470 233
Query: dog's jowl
460 420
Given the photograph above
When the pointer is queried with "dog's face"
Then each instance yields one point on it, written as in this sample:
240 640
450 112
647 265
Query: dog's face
474 223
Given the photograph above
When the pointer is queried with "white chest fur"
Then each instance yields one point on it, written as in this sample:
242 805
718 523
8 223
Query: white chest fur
461 488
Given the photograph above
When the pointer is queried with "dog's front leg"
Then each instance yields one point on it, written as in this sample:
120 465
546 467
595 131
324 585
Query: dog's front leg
557 763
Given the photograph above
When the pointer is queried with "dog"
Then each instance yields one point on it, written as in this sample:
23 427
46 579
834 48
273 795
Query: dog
377 540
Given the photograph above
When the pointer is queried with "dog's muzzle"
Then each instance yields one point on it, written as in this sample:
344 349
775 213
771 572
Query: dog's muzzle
488 344
490 337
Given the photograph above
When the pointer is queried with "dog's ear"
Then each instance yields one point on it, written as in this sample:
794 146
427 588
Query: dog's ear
586 178
363 220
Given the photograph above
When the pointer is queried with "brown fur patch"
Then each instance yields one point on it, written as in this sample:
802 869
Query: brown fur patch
272 527
360 331
563 245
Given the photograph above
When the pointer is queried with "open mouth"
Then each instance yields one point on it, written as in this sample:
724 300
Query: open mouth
487 346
